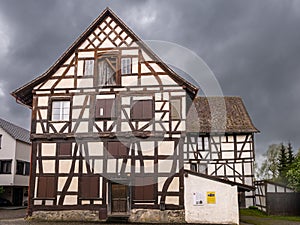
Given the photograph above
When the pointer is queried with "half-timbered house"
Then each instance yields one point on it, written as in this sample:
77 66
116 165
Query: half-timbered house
109 129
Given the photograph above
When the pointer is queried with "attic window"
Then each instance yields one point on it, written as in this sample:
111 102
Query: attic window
88 67
126 66
107 70
0 141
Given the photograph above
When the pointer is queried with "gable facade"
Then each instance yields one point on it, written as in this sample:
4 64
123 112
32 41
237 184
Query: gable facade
109 127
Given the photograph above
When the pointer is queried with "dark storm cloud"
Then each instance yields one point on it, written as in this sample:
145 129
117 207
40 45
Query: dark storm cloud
252 47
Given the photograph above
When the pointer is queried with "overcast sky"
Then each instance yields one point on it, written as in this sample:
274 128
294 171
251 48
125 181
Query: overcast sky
252 47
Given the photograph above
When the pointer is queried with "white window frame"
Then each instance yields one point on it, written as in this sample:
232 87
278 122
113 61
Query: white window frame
60 112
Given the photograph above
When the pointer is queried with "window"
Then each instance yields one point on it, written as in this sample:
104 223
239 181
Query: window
88 67
60 110
89 186
5 166
126 65
105 109
116 149
107 70
23 168
144 189
142 110
175 106
46 187
65 149
0 141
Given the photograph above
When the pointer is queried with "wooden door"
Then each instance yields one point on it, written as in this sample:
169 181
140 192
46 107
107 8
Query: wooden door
119 197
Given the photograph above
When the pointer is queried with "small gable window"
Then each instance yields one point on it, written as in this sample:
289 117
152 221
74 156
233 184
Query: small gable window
142 110
175 106
0 141
60 110
126 66
105 109
107 71
88 67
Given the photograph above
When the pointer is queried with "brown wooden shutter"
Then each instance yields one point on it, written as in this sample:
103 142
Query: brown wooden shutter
142 110
42 184
109 111
107 107
139 189
65 148
113 148
144 189
46 187
116 149
147 109
89 186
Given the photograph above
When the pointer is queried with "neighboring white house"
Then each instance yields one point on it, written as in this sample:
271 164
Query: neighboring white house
14 162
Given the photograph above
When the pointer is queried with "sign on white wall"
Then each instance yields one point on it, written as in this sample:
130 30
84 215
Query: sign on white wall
198 198
211 197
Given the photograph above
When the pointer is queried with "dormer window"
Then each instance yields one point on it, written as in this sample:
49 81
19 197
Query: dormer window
107 69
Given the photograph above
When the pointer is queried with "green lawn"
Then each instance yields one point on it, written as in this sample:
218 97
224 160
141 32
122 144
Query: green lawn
260 214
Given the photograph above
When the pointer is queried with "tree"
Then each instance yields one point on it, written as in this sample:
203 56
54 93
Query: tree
290 156
269 167
283 164
293 174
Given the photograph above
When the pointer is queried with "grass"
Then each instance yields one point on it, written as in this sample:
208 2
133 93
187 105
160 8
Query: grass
257 213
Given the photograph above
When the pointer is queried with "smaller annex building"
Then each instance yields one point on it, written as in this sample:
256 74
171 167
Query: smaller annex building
277 199
15 150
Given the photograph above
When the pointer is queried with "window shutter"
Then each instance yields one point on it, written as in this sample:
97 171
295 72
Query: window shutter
144 188
65 149
148 109
116 149
142 110
105 108
89 186
46 187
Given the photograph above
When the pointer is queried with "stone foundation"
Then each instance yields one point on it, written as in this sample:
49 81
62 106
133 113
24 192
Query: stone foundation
156 216
136 216
66 215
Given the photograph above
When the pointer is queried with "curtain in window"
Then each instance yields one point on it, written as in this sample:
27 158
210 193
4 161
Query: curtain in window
106 71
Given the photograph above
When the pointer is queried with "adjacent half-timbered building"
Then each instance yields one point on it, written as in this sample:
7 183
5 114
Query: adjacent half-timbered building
109 129
221 144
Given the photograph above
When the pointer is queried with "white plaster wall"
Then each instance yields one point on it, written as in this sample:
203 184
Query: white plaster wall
225 211
7 152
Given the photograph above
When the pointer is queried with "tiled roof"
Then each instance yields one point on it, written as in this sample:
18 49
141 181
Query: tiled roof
15 131
219 114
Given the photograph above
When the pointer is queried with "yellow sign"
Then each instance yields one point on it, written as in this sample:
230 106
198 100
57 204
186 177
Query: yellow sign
211 197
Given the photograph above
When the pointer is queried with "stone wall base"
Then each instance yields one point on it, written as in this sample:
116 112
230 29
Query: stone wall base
136 216
156 216
65 215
